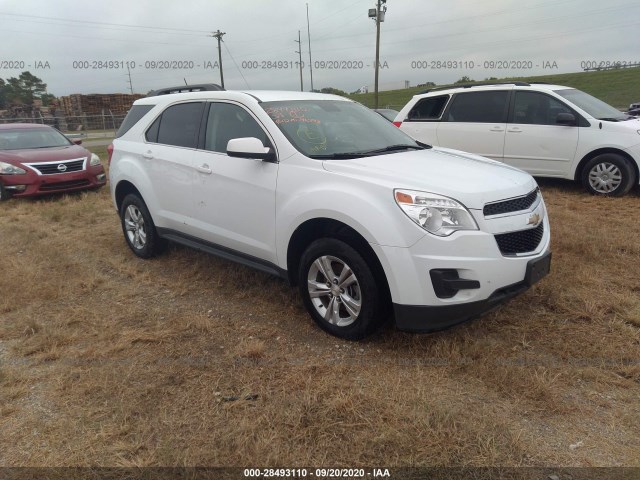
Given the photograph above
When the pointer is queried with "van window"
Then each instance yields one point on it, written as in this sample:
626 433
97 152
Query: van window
481 107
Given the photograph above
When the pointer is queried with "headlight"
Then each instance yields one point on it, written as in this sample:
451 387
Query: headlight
8 169
437 214
95 160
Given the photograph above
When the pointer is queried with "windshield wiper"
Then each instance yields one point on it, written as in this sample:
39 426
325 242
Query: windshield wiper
338 156
611 119
395 148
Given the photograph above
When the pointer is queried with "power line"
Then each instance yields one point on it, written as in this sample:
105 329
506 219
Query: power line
103 23
234 62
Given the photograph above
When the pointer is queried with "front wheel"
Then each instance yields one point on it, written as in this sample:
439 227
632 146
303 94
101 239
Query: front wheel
138 228
608 174
4 193
339 289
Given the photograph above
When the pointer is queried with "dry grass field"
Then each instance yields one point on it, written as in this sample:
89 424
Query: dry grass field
108 360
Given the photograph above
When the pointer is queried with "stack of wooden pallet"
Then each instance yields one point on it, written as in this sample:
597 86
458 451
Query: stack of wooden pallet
98 104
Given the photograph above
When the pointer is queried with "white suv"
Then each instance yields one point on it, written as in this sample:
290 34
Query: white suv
332 197
546 130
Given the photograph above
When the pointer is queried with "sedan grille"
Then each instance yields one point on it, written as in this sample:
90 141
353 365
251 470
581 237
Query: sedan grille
54 168
512 205
523 241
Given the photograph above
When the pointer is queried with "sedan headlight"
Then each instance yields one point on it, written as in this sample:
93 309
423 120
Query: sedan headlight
8 169
95 160
437 214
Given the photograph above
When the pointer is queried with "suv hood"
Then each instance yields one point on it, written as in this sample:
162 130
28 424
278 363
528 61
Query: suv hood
468 178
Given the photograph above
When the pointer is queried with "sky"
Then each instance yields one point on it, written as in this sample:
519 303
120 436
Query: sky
85 46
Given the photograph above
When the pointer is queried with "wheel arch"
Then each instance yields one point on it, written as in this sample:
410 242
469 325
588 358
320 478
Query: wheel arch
578 172
316 228
123 189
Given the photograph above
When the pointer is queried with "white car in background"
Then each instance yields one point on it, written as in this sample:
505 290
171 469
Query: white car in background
546 130
332 197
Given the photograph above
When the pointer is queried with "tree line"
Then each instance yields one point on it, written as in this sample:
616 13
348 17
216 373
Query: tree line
23 90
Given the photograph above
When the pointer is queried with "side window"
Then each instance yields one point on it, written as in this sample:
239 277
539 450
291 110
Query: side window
537 108
180 125
227 121
482 107
428 108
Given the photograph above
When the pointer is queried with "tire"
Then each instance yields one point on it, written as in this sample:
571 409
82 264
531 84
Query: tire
4 194
359 301
139 230
608 174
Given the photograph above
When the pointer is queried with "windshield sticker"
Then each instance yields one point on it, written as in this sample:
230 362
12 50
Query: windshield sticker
312 135
281 115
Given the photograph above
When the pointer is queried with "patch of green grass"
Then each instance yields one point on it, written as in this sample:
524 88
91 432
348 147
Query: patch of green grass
616 87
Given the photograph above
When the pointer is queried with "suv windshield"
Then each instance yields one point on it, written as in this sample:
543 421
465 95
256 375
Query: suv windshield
593 106
336 129
22 139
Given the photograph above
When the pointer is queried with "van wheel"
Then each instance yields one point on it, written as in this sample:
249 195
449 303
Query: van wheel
139 229
608 174
339 289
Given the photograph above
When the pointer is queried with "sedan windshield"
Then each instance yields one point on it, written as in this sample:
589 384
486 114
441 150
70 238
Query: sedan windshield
336 129
593 106
22 139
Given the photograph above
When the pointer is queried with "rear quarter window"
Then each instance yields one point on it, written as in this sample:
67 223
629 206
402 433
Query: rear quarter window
430 108
133 116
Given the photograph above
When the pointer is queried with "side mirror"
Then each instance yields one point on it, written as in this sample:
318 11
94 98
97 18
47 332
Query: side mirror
250 147
567 119
77 141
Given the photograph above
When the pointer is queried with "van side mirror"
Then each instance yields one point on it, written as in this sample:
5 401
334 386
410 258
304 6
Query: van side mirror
250 147
567 119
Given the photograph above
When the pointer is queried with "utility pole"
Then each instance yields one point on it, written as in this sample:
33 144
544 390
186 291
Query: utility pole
299 52
379 18
130 84
309 37
218 35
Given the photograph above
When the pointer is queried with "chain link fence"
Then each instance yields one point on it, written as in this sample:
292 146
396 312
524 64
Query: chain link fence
105 124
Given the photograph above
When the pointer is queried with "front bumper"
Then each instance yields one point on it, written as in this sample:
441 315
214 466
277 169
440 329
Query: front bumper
422 318
31 184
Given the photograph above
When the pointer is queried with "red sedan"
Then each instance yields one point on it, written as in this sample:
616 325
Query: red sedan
38 160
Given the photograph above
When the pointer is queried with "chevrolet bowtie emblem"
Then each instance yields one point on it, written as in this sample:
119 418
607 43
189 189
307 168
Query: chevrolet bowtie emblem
534 219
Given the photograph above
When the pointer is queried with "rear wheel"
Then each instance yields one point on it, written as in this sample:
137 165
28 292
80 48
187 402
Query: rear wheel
139 229
608 174
339 289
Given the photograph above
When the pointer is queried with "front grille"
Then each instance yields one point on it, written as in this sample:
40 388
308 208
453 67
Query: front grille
523 241
512 205
52 168
48 187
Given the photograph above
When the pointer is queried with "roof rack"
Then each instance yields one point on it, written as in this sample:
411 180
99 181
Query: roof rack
471 85
202 87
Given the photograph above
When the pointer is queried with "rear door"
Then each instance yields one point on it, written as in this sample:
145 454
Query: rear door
476 122
534 141
172 140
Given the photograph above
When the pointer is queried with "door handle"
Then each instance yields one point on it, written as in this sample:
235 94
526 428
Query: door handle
514 130
204 168
496 129
148 155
